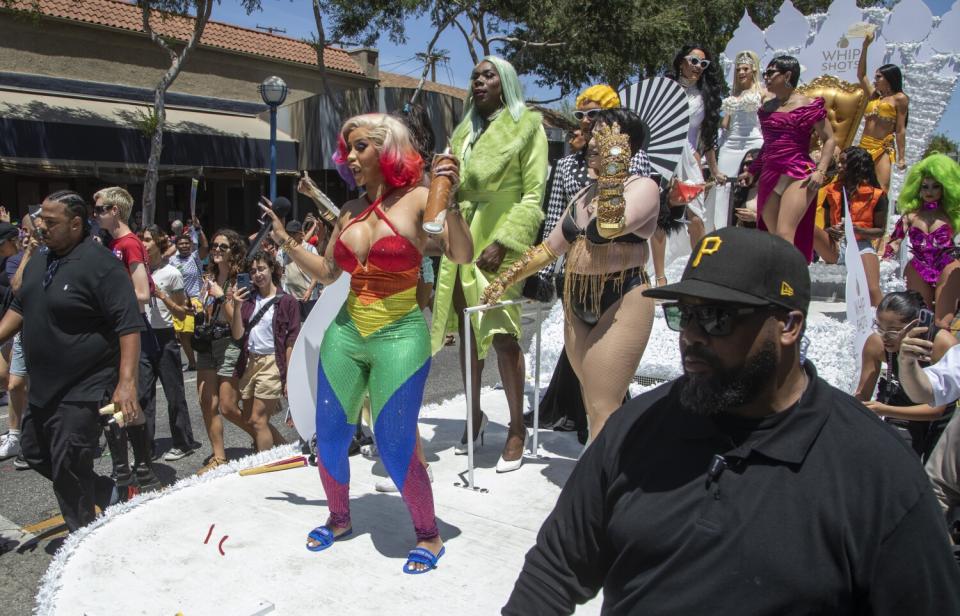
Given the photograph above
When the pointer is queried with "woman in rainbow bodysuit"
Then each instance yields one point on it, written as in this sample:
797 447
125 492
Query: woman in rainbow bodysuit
789 179
379 341
885 118
930 216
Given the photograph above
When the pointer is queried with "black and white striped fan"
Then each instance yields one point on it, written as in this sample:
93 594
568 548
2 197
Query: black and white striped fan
662 105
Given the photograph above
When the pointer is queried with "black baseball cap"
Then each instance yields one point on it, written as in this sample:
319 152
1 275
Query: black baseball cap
743 266
8 232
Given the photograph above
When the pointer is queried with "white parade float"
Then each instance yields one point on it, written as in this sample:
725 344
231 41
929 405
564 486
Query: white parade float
230 544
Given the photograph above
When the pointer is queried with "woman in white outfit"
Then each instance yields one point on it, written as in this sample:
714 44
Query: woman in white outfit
696 72
741 132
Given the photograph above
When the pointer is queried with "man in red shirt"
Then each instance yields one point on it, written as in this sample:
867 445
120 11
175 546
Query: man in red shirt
112 210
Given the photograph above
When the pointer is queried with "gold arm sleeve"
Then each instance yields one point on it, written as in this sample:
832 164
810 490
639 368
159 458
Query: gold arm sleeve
615 162
532 261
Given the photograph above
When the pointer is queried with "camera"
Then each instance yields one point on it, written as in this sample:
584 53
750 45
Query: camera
205 333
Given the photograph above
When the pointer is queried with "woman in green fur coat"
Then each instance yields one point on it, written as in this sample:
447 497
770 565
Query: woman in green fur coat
502 149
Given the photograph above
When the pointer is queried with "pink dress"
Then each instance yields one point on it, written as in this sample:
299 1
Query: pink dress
786 151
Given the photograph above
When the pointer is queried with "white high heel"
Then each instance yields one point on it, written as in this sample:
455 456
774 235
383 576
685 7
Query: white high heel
461 448
504 466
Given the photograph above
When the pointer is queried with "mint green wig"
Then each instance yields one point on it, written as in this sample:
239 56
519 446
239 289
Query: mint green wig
941 168
512 97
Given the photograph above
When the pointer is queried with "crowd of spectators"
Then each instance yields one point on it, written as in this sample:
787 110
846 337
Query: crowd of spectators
203 306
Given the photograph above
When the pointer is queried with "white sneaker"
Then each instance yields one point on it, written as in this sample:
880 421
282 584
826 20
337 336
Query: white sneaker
10 448
386 485
176 453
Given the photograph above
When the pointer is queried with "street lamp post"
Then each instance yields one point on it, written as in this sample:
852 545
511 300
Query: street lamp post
273 91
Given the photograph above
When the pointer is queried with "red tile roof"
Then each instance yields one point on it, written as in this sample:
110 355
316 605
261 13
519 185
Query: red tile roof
126 16
394 80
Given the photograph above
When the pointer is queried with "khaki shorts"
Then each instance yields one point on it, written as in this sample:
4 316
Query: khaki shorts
261 379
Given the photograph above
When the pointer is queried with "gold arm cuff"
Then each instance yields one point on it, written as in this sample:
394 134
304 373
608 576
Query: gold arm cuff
289 244
535 259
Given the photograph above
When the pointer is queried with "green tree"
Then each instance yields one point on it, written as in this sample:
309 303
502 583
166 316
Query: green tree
484 24
615 41
568 43
177 51
942 144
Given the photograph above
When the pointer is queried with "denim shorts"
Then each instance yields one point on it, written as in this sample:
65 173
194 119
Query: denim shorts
18 365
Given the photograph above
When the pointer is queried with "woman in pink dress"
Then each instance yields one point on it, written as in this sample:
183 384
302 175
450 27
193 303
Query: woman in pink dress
789 179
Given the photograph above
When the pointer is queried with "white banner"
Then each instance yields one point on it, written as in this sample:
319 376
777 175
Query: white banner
859 310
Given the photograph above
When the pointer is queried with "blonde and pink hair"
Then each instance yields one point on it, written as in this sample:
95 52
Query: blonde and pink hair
400 162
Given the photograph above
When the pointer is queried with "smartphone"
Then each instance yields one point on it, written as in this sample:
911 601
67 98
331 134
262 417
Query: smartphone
243 281
925 319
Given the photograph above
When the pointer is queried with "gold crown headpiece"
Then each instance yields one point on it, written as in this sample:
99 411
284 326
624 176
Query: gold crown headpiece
614 148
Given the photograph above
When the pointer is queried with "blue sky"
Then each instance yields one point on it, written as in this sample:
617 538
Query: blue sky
296 17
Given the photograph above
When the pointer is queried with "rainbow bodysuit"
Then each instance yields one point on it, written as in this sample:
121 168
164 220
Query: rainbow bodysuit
379 343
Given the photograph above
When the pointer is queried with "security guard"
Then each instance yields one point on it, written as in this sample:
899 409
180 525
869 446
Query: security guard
748 485
81 338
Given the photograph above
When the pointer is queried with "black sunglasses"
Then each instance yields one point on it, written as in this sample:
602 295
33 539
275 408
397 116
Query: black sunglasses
223 247
590 114
101 209
715 320
771 72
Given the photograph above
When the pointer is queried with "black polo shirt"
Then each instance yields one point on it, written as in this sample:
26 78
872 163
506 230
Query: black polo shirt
821 509
72 326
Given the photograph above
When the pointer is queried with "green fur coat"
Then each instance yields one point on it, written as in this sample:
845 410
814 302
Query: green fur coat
503 177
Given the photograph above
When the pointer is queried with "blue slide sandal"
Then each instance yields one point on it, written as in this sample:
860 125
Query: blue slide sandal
422 556
324 537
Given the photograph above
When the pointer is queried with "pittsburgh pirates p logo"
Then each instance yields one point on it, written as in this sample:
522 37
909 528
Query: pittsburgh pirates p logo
709 246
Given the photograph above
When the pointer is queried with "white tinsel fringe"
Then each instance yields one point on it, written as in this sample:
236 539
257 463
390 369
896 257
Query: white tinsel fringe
661 359
50 583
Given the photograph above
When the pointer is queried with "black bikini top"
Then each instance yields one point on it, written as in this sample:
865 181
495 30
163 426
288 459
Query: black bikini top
571 231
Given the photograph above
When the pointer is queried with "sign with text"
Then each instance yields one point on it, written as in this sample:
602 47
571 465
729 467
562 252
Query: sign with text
859 310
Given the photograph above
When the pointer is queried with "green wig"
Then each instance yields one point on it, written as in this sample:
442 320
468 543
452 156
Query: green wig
941 168
512 97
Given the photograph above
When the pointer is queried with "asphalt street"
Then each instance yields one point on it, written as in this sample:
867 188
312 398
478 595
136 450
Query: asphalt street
26 498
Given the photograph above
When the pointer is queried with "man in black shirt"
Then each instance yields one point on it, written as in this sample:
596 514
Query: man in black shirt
748 485
81 326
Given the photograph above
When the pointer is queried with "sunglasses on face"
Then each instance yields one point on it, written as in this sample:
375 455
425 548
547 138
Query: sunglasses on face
715 320
697 62
100 210
770 73
590 114
222 247
888 334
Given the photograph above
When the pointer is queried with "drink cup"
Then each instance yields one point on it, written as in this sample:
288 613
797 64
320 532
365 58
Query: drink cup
438 198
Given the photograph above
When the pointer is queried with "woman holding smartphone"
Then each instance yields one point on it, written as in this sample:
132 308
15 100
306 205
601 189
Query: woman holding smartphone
920 424
217 387
266 321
